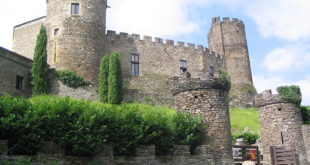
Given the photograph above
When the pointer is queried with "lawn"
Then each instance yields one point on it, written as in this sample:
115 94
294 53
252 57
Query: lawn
241 118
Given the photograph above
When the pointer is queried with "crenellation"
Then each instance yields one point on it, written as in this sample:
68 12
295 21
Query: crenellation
180 44
136 36
200 47
226 20
169 42
191 46
147 38
111 33
123 35
216 20
159 40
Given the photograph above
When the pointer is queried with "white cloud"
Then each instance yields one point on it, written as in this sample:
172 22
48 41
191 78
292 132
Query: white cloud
262 83
149 17
14 12
285 19
288 57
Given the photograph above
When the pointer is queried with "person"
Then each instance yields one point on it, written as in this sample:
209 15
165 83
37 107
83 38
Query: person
248 160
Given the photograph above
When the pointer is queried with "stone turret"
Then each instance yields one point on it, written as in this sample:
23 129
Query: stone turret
76 31
281 124
227 37
208 98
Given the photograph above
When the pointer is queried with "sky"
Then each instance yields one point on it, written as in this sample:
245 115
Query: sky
278 31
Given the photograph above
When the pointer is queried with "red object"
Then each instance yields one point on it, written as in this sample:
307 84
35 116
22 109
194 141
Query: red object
253 154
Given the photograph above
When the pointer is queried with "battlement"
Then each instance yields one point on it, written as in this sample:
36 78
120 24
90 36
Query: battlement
267 98
186 83
226 20
168 42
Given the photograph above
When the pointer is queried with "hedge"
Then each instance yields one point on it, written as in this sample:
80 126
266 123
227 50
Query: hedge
81 127
103 79
115 80
291 94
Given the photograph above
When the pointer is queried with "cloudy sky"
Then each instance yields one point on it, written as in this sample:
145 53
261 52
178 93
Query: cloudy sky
278 31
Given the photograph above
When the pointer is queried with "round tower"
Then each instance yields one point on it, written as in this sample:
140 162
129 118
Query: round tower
207 98
76 30
228 38
281 125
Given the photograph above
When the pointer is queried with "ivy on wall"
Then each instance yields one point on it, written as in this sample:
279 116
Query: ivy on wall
71 79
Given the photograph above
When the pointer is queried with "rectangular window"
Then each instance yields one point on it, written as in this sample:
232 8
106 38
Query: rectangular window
56 32
19 83
183 67
75 8
135 64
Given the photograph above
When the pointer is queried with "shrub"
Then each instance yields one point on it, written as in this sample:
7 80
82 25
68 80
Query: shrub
70 79
305 111
115 81
291 94
248 137
103 79
81 127
39 68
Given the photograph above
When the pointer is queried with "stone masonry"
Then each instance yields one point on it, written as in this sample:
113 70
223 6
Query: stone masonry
281 124
145 155
227 37
208 98
14 73
78 42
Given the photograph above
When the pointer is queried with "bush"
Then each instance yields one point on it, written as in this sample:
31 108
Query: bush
39 70
81 127
70 79
291 94
103 79
248 137
115 80
305 112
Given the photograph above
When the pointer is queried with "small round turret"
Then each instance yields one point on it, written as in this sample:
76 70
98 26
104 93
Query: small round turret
207 98
76 31
281 125
228 38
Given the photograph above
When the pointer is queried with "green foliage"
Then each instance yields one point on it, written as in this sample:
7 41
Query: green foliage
291 94
115 80
103 79
70 79
248 137
81 127
305 111
241 118
224 76
22 161
39 70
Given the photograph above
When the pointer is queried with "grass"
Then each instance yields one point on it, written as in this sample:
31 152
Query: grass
241 118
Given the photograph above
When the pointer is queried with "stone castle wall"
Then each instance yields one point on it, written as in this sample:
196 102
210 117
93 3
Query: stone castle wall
11 66
281 124
25 36
306 136
207 98
144 155
228 37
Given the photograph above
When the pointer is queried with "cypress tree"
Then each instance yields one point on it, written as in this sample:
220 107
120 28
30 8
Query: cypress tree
115 81
103 79
39 68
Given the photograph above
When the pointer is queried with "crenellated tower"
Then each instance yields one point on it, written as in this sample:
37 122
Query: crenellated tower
227 37
76 31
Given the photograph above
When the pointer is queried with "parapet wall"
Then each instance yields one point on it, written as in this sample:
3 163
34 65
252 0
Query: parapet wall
226 20
144 155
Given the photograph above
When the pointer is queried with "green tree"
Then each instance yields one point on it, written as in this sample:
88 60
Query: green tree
103 79
115 81
39 70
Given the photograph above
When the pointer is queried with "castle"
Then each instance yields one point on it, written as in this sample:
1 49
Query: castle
77 40
153 72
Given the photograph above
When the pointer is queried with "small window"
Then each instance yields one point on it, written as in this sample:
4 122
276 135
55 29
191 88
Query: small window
183 67
75 8
56 32
211 70
135 64
19 82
